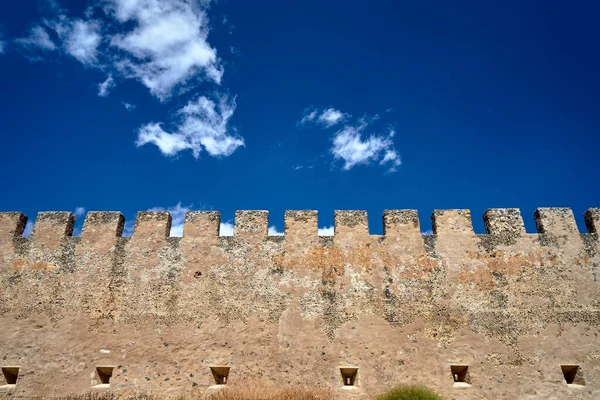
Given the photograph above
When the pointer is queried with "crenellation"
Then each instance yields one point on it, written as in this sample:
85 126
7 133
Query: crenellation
111 222
555 221
301 229
251 224
504 221
12 224
401 223
102 227
51 228
401 229
557 228
452 222
201 224
150 225
350 226
399 307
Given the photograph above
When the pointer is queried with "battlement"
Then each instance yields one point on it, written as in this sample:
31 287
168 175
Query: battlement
508 313
301 223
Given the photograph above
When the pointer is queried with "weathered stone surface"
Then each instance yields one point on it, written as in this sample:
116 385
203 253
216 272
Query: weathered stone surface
402 307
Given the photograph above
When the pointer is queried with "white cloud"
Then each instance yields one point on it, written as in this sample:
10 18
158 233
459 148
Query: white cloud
49 5
105 87
274 232
226 229
80 38
204 125
326 231
328 117
350 146
128 106
38 38
309 115
79 211
331 117
167 45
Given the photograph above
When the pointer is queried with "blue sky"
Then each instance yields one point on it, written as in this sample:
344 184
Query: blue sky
131 105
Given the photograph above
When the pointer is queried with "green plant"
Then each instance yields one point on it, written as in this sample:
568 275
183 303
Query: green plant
410 393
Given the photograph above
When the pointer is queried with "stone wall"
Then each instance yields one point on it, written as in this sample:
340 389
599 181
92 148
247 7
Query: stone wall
153 313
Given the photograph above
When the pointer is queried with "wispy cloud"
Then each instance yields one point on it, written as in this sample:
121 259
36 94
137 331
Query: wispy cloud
79 211
105 87
80 38
38 39
2 47
351 143
128 106
309 116
331 117
328 117
353 147
203 126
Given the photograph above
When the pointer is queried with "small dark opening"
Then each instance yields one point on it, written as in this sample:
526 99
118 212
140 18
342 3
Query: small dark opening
460 373
104 374
573 374
11 374
220 374
349 375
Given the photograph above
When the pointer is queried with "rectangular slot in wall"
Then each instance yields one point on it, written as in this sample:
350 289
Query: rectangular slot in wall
573 374
103 375
460 375
220 374
349 375
11 374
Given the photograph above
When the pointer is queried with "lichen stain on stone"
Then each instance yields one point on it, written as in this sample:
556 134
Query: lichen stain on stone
19 264
43 266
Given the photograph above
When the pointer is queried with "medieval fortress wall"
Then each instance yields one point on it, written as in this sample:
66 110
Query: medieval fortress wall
506 314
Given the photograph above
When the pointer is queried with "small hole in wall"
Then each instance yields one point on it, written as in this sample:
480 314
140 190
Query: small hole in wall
220 374
349 375
11 374
573 374
104 374
460 375
197 274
